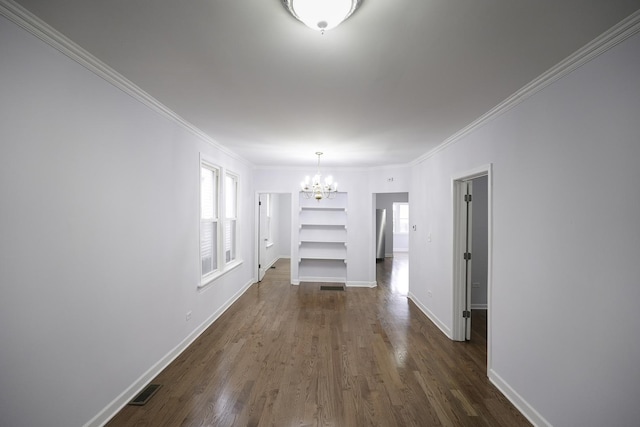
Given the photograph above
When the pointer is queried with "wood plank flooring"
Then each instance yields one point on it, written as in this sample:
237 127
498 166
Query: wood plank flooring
286 355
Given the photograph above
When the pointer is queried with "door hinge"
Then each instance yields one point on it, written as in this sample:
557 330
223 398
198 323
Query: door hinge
466 314
259 203
467 198
259 266
467 256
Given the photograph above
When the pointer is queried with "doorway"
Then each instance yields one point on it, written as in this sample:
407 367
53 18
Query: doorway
273 230
472 252
396 225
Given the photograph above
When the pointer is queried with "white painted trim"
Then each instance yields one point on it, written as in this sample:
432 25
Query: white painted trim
439 323
607 40
215 276
459 266
361 284
476 172
479 306
322 279
272 262
130 392
518 401
34 25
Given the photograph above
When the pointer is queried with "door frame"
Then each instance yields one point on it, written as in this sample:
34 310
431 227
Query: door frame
459 244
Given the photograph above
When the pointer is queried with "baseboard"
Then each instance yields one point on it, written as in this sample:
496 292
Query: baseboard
527 410
322 279
479 306
271 263
119 402
356 284
445 330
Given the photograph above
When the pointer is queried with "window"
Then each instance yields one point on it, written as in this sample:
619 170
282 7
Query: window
401 218
209 190
268 225
230 217
218 222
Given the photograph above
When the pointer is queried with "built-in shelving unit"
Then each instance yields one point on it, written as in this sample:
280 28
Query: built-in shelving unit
322 237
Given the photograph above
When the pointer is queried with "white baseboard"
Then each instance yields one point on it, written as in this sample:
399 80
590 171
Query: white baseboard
322 279
125 397
527 410
445 330
271 263
356 284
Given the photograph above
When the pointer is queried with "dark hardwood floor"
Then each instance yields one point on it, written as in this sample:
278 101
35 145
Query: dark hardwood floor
286 355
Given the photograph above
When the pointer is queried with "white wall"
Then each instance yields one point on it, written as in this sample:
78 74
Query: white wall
284 225
359 184
563 303
99 250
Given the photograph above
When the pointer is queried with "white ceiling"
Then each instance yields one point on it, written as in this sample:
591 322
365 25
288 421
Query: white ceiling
388 85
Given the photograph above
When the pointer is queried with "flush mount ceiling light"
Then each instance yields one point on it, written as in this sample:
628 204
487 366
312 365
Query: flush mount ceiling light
315 188
321 15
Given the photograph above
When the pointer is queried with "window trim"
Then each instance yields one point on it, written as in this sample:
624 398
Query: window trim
236 181
204 164
223 267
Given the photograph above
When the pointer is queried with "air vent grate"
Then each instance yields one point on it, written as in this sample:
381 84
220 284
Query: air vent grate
332 288
144 396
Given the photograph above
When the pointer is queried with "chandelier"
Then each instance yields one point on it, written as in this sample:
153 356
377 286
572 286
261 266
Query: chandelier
321 15
315 189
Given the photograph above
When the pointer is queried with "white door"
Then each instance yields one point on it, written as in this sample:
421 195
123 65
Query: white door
468 215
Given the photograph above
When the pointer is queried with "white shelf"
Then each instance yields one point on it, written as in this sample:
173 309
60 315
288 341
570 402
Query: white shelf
322 250
322 270
322 208
322 237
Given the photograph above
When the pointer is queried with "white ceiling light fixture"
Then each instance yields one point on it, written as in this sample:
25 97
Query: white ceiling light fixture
315 188
321 15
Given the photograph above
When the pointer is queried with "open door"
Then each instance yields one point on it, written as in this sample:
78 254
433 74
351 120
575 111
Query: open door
462 258
462 192
466 211
263 200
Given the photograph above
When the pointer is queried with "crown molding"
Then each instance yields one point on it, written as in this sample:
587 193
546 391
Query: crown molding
37 27
610 38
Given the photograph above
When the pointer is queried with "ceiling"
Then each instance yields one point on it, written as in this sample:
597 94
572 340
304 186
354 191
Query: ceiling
387 86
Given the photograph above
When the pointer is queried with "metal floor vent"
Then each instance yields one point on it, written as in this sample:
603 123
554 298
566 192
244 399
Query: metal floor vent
331 288
146 394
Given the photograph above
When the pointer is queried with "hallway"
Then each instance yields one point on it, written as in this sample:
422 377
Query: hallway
286 355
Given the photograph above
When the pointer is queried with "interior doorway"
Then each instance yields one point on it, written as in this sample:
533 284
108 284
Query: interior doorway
273 224
472 253
396 225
